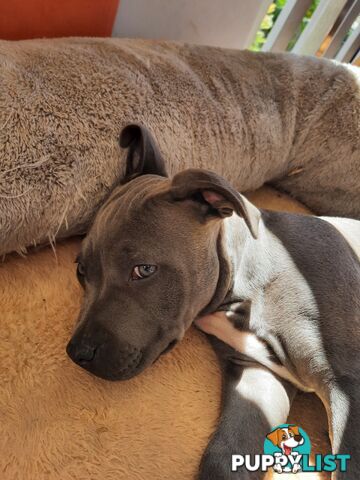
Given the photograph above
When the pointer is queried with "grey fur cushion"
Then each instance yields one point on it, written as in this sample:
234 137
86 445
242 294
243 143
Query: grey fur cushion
252 117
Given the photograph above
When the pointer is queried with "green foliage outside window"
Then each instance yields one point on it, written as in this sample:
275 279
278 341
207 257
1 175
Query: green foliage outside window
268 21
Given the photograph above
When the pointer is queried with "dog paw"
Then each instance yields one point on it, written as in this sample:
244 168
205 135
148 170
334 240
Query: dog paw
296 468
278 468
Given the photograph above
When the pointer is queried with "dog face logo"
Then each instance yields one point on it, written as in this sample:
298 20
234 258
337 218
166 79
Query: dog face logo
287 449
288 442
286 438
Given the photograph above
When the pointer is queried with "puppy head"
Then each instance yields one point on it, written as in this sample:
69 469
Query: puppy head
152 261
289 437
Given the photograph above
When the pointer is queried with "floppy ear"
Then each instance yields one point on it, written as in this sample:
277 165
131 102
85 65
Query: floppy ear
143 156
215 196
294 429
273 437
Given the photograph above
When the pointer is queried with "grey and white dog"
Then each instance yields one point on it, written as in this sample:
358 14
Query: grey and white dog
164 252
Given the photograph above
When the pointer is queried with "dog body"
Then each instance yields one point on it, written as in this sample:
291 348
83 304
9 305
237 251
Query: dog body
162 252
301 278
290 274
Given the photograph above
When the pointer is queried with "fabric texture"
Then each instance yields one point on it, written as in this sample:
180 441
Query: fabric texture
251 117
60 423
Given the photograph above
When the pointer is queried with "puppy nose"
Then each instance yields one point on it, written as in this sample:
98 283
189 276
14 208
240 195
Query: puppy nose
80 352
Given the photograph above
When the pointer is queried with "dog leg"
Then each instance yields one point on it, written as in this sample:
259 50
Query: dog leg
255 400
344 426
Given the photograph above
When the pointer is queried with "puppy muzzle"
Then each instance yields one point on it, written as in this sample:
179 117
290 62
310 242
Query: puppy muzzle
102 355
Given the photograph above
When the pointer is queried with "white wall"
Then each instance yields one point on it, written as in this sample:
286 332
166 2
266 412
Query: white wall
223 23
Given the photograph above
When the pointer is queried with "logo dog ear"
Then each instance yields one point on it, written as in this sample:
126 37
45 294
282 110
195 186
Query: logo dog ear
273 437
294 429
297 434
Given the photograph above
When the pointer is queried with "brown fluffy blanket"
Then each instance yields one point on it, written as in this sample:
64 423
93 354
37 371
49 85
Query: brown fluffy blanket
252 117
59 423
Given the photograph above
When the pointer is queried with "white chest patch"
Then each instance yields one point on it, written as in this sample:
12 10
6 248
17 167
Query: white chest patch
244 342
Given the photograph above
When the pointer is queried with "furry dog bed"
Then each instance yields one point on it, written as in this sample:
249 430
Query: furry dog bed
252 117
60 423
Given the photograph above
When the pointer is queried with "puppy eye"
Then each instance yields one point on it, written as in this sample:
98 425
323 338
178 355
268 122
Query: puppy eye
142 271
284 437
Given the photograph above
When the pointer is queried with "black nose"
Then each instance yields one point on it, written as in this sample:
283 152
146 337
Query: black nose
81 352
298 438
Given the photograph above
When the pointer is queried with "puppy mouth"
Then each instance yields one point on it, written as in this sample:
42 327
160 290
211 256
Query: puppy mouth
130 371
120 371
287 450
170 346
127 372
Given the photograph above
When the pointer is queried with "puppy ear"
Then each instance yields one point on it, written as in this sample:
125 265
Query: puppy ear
215 197
143 155
294 429
273 437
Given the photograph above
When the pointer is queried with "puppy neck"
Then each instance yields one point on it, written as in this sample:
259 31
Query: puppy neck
233 238
247 256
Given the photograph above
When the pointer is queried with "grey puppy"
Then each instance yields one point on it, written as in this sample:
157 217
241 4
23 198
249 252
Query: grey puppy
163 252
